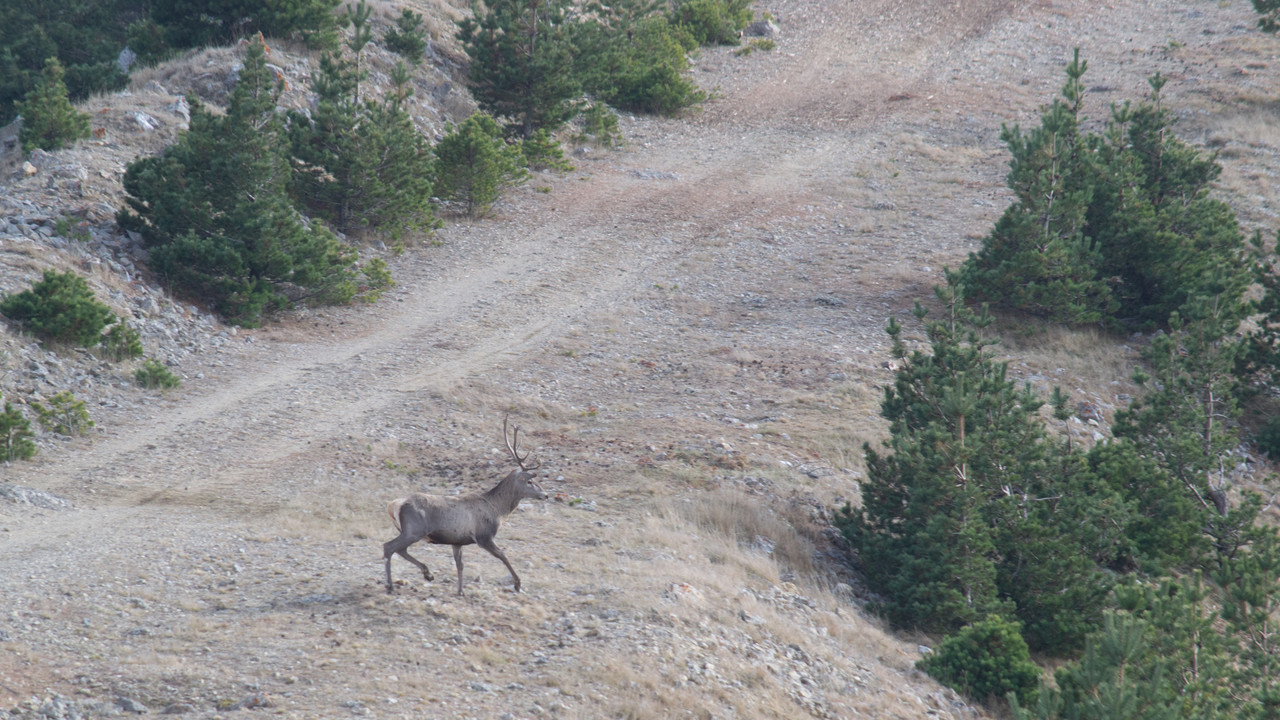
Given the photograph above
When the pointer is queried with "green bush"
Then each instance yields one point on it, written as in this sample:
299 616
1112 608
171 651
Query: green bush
474 165
154 375
600 125
765 44
1269 14
65 414
122 342
71 228
59 308
659 89
712 22
542 152
986 660
15 435
406 38
377 280
49 121
637 63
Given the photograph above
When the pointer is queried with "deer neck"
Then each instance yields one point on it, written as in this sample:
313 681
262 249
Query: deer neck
503 496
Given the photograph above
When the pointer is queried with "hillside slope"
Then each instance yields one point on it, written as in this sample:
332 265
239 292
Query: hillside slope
690 331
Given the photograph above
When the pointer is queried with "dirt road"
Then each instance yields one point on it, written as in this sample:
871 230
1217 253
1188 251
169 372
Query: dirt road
695 315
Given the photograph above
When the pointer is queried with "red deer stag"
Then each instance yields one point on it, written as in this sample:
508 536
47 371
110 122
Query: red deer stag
465 520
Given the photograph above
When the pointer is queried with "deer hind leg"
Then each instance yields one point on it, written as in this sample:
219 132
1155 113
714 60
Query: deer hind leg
493 550
457 560
400 546
421 565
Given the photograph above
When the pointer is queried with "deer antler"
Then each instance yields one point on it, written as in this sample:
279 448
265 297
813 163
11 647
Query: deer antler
514 442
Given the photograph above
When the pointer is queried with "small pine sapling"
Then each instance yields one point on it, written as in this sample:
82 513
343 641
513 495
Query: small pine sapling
60 308
15 435
405 38
474 165
377 280
64 415
600 125
542 152
153 375
49 121
122 342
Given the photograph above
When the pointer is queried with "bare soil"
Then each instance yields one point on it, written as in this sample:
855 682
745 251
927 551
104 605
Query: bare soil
690 331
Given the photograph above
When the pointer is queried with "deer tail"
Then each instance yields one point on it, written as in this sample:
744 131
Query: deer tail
393 509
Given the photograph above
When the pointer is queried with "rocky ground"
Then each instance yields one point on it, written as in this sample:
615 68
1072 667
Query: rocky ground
689 329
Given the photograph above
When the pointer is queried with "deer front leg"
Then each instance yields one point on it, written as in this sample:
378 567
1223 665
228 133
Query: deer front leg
493 550
457 560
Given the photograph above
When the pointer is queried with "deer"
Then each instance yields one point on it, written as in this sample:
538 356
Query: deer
466 520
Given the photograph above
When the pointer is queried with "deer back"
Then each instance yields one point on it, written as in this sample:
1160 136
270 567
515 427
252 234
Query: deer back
447 520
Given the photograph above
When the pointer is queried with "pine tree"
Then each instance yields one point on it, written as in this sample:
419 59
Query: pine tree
1039 258
361 35
1160 654
1186 422
965 519
521 62
1161 235
405 38
1251 610
361 164
49 121
1116 227
474 165
215 212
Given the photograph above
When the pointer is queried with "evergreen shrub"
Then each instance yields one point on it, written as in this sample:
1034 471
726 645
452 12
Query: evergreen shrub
60 308
405 38
15 435
712 22
154 375
49 121
474 165
122 342
64 415
986 660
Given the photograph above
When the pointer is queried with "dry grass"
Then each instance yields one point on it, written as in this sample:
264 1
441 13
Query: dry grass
339 513
743 521
1085 363
714 645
